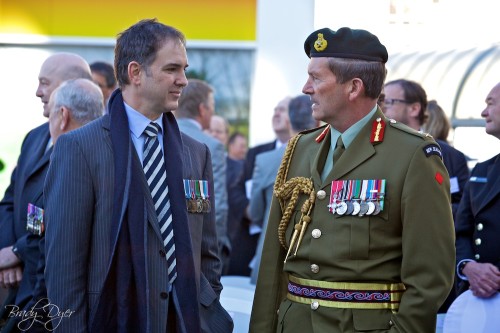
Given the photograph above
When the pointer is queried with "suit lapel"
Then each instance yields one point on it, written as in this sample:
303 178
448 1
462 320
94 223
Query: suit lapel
40 157
319 160
492 188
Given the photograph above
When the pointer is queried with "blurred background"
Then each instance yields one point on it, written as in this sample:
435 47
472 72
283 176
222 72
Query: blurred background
251 51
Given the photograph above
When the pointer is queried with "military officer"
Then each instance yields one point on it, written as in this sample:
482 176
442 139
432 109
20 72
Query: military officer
360 233
478 226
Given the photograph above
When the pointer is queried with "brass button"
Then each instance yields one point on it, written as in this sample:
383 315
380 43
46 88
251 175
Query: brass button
314 305
478 241
316 233
314 268
480 226
477 256
321 195
392 121
391 323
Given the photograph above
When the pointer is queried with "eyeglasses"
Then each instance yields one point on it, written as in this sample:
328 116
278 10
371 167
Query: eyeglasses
392 101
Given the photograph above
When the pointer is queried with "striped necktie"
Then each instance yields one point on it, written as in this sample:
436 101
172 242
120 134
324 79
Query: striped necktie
156 175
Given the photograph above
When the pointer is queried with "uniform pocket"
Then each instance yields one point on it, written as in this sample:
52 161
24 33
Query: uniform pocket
283 309
371 320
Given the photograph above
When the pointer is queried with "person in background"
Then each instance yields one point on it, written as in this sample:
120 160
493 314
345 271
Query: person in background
73 104
478 224
437 124
26 187
281 128
103 75
266 168
361 207
129 246
237 146
219 129
243 243
195 111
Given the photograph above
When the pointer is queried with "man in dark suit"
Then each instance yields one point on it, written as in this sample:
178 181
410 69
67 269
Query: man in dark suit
478 224
26 186
110 265
73 104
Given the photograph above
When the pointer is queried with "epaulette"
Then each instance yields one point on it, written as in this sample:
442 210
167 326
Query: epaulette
402 127
311 130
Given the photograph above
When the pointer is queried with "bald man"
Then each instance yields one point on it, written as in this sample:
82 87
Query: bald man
25 189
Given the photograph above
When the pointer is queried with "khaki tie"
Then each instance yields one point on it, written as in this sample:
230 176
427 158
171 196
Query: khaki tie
339 149
332 158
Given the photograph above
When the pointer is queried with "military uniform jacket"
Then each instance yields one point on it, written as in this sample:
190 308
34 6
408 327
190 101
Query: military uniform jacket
410 241
478 224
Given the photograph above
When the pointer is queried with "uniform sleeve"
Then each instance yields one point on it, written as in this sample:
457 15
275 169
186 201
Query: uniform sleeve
428 252
69 205
271 286
465 226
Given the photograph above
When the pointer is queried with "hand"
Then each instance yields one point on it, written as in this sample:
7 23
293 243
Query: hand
11 277
8 258
484 278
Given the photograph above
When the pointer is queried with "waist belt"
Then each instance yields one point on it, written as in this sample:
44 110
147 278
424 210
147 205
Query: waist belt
345 295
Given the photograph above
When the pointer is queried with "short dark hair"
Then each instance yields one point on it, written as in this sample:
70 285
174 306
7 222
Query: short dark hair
372 73
300 113
234 136
106 70
413 93
141 43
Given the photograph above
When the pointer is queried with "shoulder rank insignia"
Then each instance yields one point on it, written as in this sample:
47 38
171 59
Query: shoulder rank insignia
322 135
433 149
378 130
320 44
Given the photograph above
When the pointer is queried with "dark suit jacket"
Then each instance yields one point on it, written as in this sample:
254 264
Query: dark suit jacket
478 215
26 187
243 244
456 165
250 159
79 198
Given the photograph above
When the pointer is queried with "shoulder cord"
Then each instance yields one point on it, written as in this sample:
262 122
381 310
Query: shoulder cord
289 190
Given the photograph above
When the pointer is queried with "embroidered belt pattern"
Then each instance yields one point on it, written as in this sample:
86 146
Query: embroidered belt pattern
345 294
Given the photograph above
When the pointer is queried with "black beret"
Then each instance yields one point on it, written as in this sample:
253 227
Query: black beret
345 43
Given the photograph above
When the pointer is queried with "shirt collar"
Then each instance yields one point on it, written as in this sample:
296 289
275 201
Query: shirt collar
351 133
138 122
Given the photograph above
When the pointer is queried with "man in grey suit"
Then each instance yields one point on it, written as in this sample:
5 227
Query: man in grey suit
110 265
26 186
266 168
196 108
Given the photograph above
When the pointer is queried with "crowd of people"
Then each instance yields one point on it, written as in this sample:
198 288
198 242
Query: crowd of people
128 205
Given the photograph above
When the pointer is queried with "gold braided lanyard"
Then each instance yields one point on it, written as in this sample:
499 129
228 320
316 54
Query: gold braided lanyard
289 191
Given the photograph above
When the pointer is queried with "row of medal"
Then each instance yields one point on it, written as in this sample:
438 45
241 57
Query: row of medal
34 221
197 196
357 197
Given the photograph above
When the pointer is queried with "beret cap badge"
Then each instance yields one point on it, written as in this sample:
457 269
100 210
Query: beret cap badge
320 44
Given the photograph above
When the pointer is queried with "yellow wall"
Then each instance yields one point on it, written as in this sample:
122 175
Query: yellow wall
232 20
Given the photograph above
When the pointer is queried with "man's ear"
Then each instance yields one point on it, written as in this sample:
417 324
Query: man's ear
134 70
355 88
65 116
415 109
